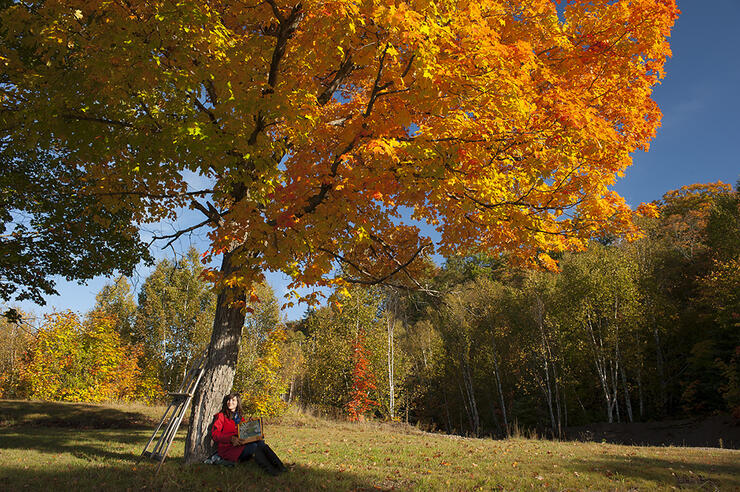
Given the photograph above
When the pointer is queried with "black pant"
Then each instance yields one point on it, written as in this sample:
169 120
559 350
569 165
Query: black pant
250 449
264 456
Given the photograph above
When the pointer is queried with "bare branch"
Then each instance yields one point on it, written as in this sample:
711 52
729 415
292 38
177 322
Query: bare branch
378 280
175 236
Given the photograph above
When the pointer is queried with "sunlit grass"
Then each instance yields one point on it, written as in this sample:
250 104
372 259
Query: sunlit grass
80 447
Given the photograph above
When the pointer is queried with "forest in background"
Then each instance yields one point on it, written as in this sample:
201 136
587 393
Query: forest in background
621 332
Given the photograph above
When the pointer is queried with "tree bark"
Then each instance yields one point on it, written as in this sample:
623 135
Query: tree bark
218 378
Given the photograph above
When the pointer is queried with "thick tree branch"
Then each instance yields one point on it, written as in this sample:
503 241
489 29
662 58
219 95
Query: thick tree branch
345 68
377 87
154 195
288 26
315 200
205 110
209 211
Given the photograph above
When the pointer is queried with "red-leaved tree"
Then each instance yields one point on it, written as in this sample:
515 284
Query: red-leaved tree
363 382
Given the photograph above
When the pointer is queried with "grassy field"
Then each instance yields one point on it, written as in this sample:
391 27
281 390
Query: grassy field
63 446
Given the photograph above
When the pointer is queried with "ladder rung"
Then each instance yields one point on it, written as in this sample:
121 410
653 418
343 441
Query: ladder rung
181 395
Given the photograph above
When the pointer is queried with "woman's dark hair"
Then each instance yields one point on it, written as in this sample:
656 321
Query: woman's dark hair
225 405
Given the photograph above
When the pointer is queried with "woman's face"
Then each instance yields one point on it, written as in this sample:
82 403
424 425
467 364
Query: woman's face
231 404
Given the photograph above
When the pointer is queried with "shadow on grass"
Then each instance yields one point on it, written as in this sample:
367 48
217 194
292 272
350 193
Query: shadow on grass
714 431
176 476
72 455
74 415
91 445
678 472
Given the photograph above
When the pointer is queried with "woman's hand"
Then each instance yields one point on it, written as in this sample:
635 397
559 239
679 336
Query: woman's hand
235 441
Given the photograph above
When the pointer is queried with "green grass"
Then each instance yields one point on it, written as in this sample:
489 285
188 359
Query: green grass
64 446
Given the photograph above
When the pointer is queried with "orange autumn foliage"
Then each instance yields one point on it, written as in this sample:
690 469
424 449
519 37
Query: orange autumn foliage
322 125
363 382
316 136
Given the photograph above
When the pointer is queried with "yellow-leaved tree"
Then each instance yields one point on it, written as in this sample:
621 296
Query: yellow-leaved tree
69 360
325 128
265 396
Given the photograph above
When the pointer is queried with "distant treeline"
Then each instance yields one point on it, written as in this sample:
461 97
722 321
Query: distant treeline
624 331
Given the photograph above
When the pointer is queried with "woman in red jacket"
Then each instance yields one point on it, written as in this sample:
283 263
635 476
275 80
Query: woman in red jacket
225 432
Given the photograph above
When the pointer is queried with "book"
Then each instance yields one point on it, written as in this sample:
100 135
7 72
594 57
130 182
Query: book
251 430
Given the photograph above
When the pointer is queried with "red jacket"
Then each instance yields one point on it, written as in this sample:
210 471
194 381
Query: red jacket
223 429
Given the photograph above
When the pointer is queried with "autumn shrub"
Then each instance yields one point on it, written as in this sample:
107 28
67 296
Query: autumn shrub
69 360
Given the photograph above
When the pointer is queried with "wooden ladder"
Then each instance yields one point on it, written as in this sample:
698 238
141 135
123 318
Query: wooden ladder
179 405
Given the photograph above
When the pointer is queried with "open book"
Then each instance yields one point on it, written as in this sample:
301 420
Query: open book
251 430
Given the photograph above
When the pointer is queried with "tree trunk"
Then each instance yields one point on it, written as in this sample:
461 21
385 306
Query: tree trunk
498 385
600 362
661 371
494 416
539 316
557 400
627 401
547 387
218 378
391 324
447 410
639 390
471 403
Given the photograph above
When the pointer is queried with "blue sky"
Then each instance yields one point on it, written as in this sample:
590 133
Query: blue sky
699 140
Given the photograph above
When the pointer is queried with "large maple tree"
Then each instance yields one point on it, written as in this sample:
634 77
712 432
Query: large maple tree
323 126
